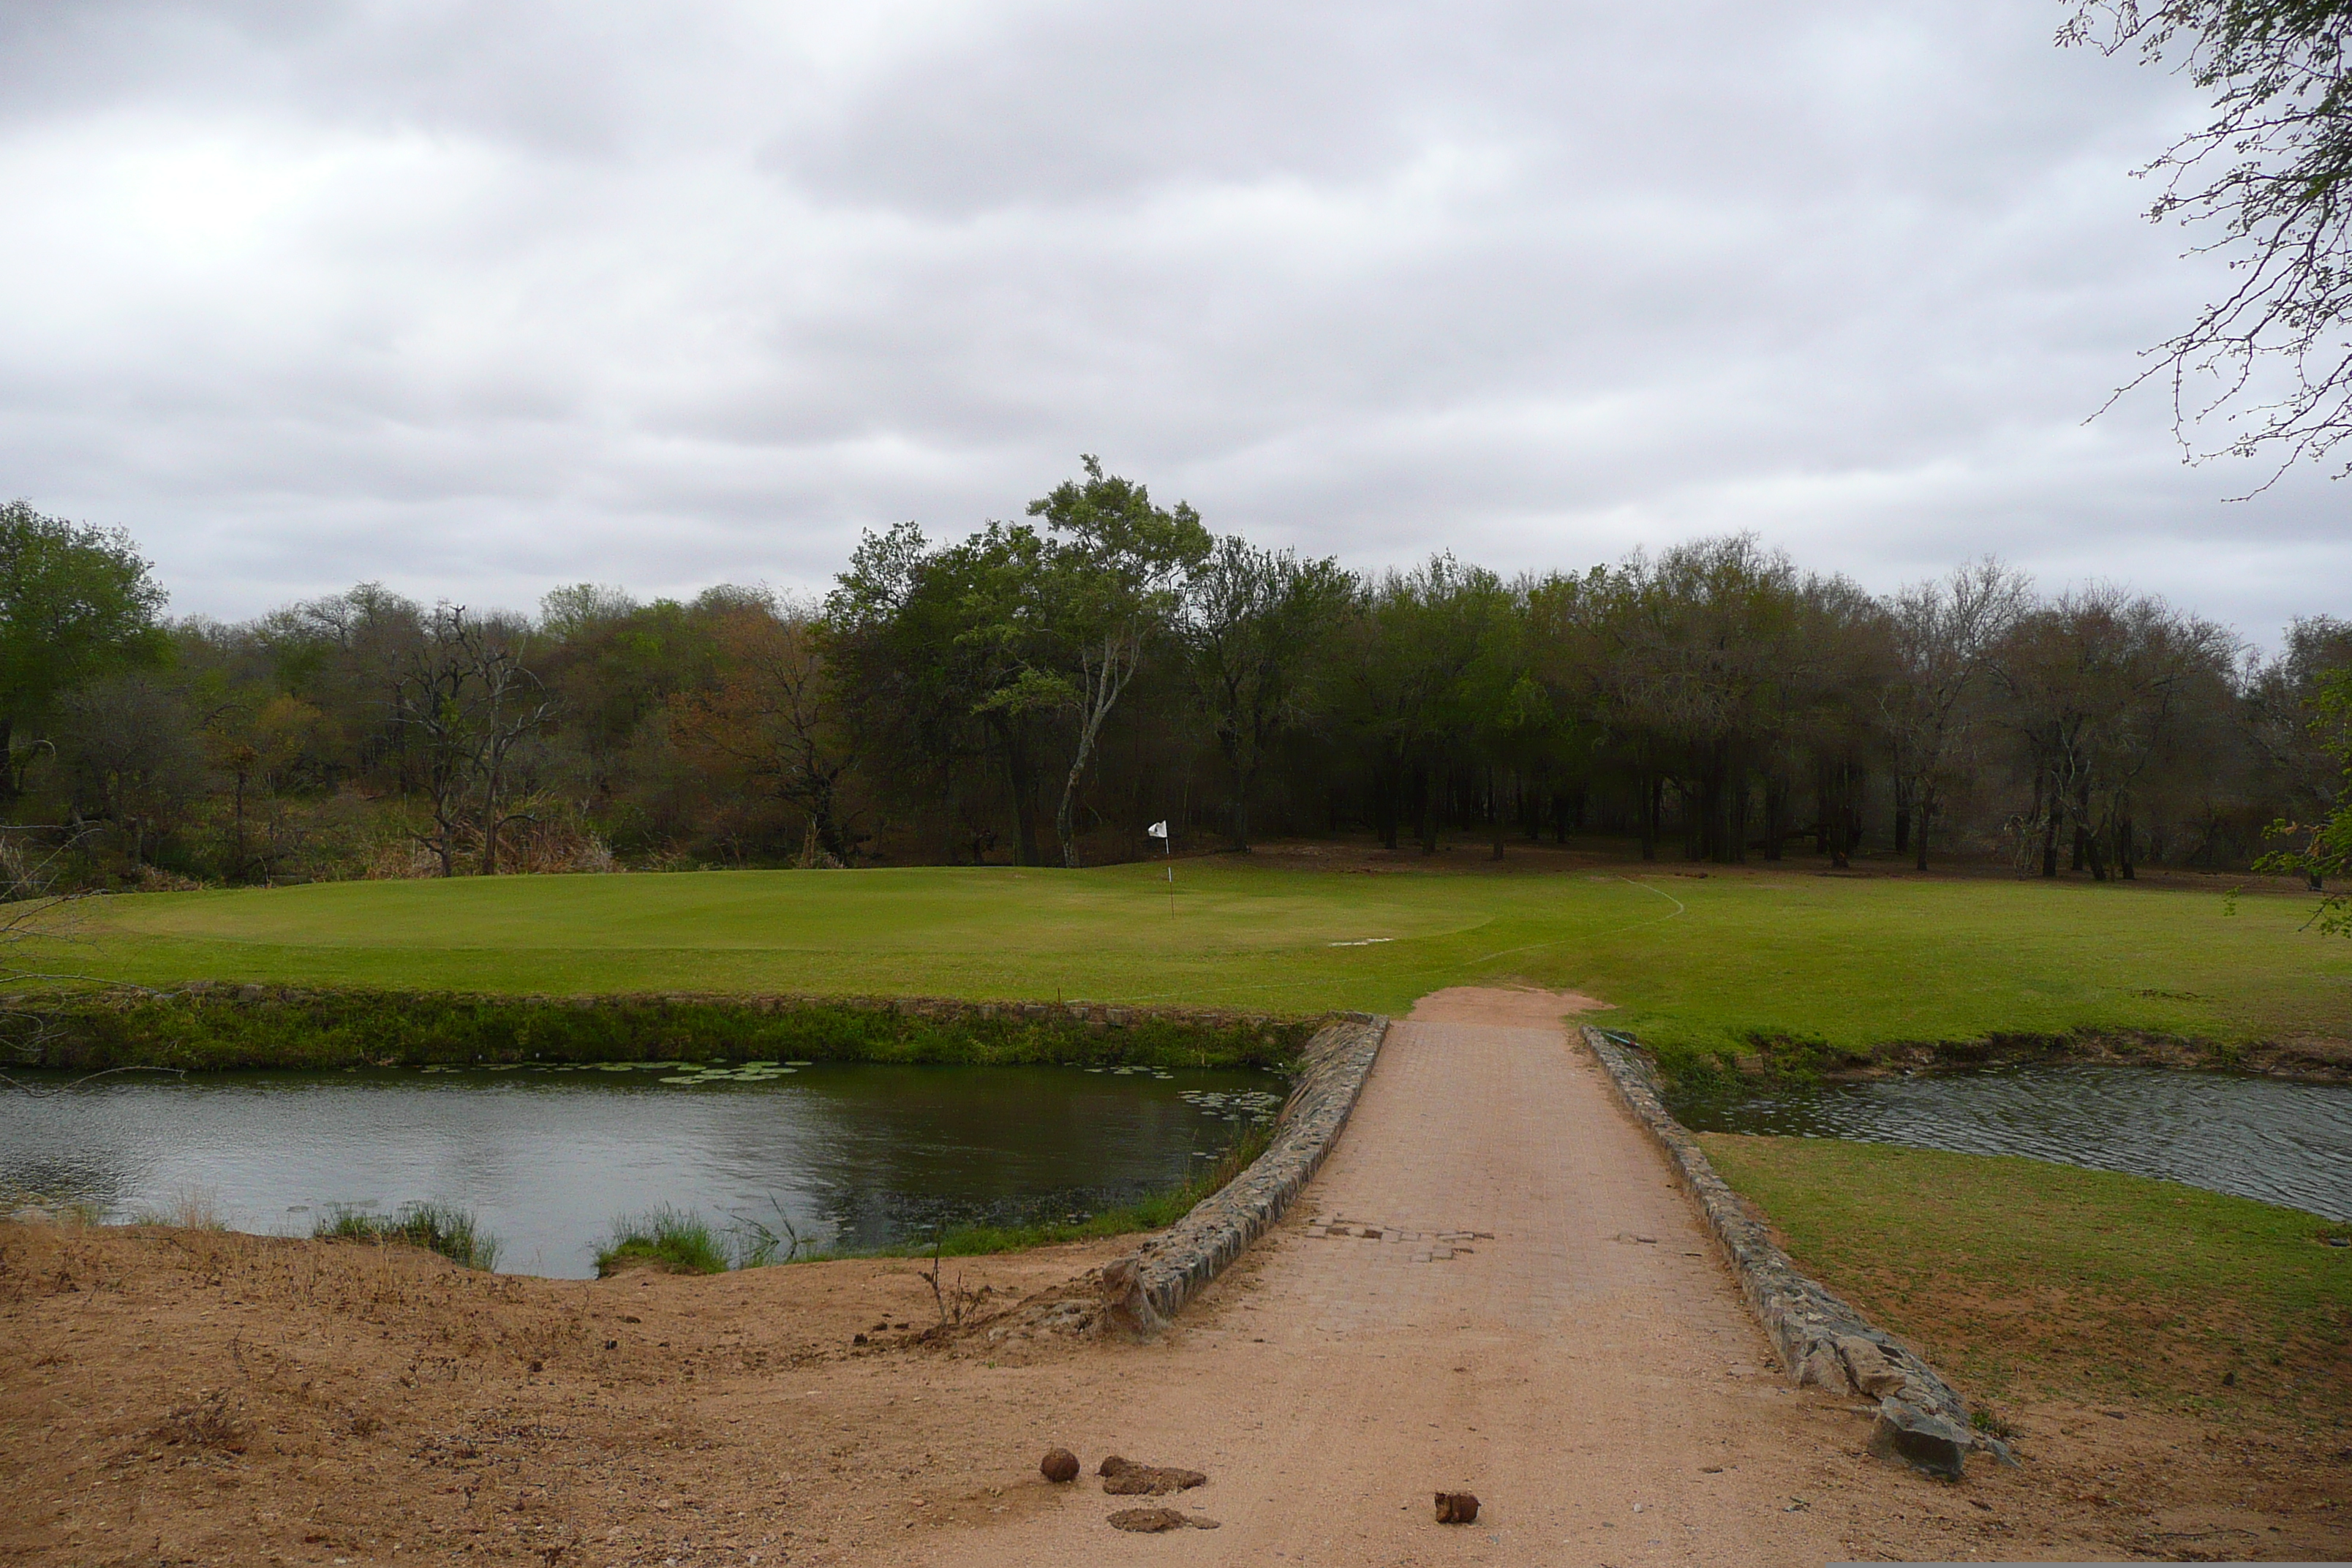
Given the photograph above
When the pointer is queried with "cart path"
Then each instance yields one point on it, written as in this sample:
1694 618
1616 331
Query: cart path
1608 1398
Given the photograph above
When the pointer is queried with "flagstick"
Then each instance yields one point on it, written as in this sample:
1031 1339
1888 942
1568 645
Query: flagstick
1168 842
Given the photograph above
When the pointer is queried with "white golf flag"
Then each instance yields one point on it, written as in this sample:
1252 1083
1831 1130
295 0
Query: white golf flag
1157 830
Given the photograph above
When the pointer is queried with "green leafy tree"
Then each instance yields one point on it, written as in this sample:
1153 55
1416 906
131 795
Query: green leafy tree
1253 621
77 604
934 657
1110 580
1419 664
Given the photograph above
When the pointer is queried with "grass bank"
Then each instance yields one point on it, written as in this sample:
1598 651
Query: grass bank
214 1029
1701 967
2025 1278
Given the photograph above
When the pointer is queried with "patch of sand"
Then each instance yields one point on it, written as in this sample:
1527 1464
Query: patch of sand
1511 1007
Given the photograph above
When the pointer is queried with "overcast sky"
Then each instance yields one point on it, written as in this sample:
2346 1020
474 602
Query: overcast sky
479 298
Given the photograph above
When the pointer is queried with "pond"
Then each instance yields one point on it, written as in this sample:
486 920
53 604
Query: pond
2287 1143
852 1154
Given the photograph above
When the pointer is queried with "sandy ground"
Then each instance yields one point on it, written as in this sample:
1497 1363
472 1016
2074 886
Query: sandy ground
1581 1363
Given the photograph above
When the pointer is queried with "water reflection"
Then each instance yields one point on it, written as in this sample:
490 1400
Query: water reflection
855 1154
2287 1143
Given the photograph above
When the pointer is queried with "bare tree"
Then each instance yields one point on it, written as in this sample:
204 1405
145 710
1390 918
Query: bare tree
1942 634
467 695
767 720
2270 173
2095 683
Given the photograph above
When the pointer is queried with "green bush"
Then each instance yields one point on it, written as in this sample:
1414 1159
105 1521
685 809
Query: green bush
443 1229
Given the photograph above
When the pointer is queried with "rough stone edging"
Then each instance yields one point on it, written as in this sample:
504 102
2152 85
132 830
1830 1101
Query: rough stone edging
1149 1285
1821 1341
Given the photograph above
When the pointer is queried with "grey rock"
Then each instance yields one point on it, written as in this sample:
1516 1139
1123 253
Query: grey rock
1867 1364
1821 1339
1920 1440
1819 1367
1144 1289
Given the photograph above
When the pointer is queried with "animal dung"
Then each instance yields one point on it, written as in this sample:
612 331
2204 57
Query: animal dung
1148 1521
1059 1465
1456 1508
1125 1478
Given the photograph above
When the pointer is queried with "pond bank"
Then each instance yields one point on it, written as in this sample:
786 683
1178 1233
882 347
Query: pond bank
1805 1059
222 1028
2277 1139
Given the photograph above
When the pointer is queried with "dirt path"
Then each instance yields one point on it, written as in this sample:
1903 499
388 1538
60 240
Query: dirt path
1584 1364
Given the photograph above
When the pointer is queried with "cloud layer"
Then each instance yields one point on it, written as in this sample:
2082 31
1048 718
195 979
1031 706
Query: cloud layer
475 299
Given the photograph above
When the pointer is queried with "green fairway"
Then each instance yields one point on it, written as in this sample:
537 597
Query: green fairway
2024 1278
1701 960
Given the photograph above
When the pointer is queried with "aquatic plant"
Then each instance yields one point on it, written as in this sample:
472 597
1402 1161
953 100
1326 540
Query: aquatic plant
187 1208
445 1228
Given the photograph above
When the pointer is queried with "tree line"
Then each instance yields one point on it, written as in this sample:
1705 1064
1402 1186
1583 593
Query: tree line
1038 692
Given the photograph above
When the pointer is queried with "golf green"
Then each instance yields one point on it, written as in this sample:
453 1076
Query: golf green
1854 961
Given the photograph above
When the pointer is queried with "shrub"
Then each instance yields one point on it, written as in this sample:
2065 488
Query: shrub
443 1229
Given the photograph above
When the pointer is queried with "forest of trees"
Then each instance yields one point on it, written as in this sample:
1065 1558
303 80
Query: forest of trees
1037 692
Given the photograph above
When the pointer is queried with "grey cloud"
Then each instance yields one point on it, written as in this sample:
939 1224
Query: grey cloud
478 297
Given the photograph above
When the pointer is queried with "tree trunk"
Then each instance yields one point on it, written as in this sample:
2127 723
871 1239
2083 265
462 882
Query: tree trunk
1902 815
1424 787
1020 775
1738 846
490 825
1494 822
1926 806
237 808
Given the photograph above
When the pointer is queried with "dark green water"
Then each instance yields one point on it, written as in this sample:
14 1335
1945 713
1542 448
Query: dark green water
854 1154
2287 1143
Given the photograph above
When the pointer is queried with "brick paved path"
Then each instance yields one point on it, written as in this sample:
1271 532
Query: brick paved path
1492 1285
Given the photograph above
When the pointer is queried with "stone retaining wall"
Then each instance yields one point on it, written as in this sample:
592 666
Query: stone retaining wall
1144 1289
1821 1341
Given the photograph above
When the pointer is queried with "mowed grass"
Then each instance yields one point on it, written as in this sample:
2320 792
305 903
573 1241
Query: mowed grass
2024 1278
1854 961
